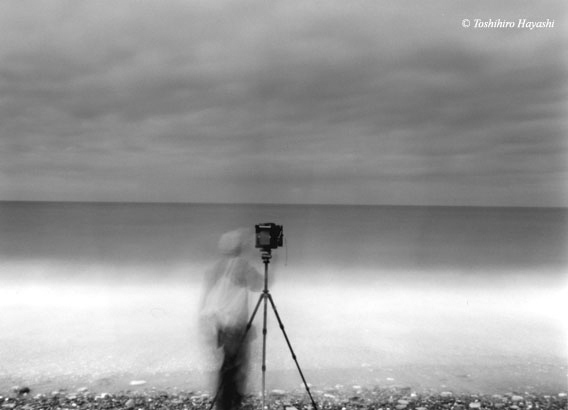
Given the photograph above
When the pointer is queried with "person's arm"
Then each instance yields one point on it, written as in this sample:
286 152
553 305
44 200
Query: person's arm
256 279
250 277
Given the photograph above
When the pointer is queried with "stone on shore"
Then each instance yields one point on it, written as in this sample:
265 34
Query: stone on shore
21 390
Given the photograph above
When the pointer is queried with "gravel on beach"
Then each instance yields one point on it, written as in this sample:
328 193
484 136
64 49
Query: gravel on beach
332 398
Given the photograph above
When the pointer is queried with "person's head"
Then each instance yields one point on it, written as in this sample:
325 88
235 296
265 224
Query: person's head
233 243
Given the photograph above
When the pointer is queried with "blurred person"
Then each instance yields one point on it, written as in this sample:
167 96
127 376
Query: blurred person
224 314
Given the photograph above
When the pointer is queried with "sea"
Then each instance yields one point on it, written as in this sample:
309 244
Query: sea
105 296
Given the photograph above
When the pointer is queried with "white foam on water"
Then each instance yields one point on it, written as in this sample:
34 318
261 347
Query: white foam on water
123 319
103 321
429 321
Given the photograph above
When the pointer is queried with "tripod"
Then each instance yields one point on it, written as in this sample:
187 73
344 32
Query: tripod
266 297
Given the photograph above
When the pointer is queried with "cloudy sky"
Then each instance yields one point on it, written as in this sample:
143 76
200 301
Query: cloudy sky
318 101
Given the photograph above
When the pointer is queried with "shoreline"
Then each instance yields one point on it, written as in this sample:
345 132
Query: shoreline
528 377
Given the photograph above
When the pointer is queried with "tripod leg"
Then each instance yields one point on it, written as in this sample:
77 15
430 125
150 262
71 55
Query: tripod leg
291 350
249 324
266 296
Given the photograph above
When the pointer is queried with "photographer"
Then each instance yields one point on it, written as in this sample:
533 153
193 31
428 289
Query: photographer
224 313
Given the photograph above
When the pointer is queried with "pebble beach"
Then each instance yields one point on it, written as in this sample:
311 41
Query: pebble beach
329 398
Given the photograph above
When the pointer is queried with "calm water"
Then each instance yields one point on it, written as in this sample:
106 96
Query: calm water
394 237
472 295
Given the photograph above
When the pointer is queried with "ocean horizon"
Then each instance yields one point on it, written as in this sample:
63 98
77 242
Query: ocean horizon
462 297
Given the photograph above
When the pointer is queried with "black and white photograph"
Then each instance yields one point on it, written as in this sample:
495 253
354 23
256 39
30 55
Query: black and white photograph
288 204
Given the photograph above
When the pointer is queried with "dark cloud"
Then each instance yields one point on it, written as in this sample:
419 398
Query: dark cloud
282 102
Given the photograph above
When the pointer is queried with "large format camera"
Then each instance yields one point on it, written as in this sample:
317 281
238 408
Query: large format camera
268 236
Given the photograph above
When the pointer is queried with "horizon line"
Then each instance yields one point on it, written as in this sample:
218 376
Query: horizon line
273 204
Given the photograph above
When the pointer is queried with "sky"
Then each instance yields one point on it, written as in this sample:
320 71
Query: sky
318 101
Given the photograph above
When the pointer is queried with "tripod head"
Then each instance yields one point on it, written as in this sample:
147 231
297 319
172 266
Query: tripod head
266 255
